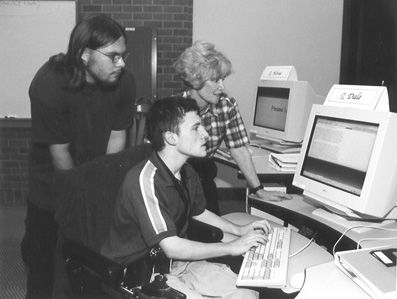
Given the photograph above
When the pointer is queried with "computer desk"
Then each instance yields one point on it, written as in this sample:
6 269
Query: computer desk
322 278
298 211
325 280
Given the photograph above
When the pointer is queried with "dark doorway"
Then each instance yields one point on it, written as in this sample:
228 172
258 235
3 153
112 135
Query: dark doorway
369 52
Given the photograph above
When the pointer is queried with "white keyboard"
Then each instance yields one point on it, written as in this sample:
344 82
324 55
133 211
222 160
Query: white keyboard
267 264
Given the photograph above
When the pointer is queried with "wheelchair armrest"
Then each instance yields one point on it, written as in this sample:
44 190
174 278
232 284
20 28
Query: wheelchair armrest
203 232
81 256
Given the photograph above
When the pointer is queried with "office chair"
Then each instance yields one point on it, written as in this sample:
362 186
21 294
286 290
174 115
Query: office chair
85 199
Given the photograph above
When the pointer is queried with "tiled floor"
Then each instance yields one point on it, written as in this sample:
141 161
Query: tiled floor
12 269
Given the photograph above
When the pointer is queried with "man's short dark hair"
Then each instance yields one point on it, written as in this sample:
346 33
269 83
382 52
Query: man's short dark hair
166 115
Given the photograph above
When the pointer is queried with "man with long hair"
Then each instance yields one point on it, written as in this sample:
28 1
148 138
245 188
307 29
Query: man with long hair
81 104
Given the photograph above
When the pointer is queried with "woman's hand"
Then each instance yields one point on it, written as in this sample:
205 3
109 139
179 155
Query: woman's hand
273 195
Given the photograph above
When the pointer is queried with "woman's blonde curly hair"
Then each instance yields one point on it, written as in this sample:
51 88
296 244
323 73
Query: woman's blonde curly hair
200 63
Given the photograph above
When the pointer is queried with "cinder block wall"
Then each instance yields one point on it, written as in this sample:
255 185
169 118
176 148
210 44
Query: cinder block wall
173 20
14 144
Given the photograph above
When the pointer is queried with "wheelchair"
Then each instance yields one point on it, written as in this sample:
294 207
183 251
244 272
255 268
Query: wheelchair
85 197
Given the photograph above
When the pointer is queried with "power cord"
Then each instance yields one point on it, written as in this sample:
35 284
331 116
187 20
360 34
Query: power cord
375 239
366 239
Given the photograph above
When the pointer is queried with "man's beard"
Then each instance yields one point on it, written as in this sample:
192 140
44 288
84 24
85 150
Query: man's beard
107 84
110 85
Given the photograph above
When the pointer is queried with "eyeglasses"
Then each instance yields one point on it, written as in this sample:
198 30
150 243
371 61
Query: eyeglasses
115 58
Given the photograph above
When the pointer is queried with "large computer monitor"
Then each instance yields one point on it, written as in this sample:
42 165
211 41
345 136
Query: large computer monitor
281 112
348 161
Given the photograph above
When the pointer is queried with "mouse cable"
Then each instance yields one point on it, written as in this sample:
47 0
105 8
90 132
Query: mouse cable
360 226
303 248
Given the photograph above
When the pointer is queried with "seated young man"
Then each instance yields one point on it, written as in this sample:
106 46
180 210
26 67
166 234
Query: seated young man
157 198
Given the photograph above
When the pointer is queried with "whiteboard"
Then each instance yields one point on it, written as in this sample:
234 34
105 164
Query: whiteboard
30 32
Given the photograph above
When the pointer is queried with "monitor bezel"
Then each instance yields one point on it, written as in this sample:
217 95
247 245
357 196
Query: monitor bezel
340 200
301 98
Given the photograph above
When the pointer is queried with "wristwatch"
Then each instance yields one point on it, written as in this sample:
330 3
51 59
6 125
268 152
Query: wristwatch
255 189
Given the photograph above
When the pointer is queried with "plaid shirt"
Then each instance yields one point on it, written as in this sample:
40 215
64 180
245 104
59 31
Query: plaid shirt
223 122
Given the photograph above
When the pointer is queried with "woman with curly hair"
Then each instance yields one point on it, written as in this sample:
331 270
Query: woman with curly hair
203 69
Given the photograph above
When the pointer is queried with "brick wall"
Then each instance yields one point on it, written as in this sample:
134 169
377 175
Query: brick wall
173 20
14 144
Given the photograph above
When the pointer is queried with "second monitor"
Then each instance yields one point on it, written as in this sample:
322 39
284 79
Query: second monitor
281 112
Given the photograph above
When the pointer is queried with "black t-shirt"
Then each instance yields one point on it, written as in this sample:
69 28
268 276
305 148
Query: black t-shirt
83 118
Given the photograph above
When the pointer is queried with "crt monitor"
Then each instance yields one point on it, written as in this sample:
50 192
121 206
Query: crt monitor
348 160
281 110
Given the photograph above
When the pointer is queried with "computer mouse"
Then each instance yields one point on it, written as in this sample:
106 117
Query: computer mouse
296 281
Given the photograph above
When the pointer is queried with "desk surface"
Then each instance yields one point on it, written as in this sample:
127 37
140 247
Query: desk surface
322 278
299 205
326 281
261 156
265 172
298 212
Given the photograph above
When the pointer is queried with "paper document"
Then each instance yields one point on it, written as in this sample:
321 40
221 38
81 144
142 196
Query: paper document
283 162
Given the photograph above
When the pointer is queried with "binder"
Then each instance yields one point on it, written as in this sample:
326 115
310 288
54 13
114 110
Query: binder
284 162
373 269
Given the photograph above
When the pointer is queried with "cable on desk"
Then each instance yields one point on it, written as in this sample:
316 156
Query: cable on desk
364 226
376 239
303 248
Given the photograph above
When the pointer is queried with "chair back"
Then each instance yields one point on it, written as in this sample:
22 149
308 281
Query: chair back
137 132
86 195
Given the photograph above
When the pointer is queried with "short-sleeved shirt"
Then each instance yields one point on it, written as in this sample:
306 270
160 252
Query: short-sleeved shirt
82 118
223 122
151 208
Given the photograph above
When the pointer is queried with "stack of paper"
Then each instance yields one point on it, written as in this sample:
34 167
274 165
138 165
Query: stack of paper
283 162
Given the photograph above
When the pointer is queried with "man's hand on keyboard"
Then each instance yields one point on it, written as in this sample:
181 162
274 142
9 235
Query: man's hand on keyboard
242 244
273 195
259 226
